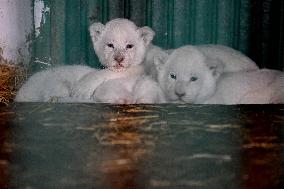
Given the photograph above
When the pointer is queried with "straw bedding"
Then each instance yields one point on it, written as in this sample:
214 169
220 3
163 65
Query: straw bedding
12 77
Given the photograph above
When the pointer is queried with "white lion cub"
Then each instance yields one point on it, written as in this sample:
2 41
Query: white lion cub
120 46
231 59
185 77
52 84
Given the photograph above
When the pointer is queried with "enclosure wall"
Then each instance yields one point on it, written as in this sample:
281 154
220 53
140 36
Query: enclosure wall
254 27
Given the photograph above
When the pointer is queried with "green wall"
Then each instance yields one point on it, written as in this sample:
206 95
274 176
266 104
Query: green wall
254 27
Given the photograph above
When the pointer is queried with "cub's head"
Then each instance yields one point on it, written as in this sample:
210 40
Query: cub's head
184 75
120 43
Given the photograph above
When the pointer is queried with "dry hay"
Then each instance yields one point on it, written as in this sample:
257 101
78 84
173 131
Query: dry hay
11 78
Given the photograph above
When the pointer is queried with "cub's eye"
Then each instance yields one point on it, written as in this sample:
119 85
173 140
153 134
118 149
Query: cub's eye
193 78
173 76
129 46
110 45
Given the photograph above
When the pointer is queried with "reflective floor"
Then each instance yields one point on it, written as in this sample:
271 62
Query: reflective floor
143 146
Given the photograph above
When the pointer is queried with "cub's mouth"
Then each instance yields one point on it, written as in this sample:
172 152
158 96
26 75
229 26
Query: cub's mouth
180 100
118 68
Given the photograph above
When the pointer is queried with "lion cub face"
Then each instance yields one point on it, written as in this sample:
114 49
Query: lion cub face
120 43
184 75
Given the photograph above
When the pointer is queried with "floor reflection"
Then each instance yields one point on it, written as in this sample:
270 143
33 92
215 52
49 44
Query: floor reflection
125 150
135 147
262 162
5 148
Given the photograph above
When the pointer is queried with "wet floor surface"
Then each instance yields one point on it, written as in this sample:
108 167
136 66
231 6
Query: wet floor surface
141 146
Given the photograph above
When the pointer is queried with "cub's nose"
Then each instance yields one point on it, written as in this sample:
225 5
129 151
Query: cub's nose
180 89
179 93
119 59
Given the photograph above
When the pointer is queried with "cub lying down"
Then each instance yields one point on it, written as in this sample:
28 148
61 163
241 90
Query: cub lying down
126 87
231 59
191 80
120 46
48 85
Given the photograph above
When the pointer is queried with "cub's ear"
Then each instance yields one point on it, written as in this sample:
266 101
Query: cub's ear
96 30
216 66
160 60
147 34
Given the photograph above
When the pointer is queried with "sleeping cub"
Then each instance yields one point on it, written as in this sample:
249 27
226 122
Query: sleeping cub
52 84
120 46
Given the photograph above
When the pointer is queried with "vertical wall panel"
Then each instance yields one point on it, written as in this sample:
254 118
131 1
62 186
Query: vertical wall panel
204 21
254 27
182 25
192 20
264 36
266 8
57 25
42 42
116 9
159 22
96 13
276 41
244 20
280 59
225 25
214 20
149 13
84 24
236 23
73 32
138 11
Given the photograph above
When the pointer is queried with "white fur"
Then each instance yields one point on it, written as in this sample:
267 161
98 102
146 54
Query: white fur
231 59
176 72
254 87
126 87
148 63
148 91
86 86
51 84
115 91
122 81
120 46
211 85
120 39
